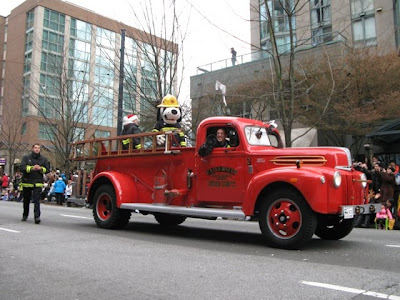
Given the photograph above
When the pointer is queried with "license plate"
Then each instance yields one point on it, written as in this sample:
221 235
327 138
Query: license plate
348 212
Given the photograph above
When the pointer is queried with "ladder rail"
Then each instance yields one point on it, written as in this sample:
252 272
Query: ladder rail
112 147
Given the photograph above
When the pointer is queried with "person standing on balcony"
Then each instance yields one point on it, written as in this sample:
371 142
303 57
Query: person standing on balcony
233 56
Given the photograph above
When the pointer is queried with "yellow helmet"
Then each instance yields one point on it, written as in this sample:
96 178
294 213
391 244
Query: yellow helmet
169 101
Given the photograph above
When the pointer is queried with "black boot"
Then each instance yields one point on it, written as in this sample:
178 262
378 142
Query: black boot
37 220
24 218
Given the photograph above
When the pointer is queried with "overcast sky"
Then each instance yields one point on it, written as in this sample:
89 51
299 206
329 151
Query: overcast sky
205 42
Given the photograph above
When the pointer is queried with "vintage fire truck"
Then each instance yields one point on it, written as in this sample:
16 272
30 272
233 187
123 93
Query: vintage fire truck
293 193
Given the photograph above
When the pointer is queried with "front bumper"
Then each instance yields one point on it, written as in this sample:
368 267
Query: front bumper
350 211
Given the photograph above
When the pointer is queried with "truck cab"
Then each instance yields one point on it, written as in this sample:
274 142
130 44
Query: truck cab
292 192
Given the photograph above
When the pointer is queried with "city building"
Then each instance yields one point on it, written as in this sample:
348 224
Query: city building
319 26
60 76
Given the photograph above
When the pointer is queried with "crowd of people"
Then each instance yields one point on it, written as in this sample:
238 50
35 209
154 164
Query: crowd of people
57 187
384 188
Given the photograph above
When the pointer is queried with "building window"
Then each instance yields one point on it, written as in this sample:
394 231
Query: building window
102 134
28 41
29 19
103 76
321 21
263 21
363 22
105 57
27 63
52 41
47 132
50 85
105 38
130 47
27 85
149 87
54 20
81 30
25 106
51 63
23 129
78 70
129 97
49 108
79 49
78 134
102 110
130 62
78 91
279 22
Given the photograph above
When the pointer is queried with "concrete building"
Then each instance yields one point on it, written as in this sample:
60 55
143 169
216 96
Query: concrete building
319 25
62 61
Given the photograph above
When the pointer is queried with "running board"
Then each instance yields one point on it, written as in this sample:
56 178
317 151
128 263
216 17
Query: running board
187 211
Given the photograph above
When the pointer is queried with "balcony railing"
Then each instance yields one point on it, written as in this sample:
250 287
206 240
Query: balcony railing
300 45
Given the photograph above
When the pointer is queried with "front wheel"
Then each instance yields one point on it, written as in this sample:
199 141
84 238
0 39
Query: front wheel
336 231
286 220
105 211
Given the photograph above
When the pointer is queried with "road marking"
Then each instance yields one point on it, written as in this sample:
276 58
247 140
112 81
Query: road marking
394 246
351 290
9 230
76 217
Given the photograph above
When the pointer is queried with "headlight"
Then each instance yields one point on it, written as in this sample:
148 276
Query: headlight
337 179
363 178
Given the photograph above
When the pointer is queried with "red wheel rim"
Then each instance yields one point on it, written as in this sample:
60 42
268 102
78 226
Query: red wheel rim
284 218
104 207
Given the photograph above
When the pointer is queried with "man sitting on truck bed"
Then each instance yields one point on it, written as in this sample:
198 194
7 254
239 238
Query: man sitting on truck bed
213 141
131 126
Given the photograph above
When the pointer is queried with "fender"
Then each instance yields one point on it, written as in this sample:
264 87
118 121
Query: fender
124 186
306 180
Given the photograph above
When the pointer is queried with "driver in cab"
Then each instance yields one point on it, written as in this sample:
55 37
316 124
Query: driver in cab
218 141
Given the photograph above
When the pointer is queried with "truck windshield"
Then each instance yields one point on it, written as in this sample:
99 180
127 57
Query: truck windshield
257 136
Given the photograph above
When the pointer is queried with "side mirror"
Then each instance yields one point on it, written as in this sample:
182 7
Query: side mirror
233 139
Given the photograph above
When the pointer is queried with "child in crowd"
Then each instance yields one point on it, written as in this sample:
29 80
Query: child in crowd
382 216
68 190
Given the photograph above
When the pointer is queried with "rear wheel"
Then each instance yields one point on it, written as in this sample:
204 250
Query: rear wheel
337 231
169 220
286 220
105 211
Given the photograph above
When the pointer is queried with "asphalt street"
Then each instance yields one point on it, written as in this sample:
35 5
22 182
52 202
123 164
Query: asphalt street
68 257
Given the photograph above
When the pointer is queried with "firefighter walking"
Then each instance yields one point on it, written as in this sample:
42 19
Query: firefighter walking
33 167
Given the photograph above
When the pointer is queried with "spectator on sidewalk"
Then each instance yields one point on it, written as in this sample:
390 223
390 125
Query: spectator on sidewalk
4 182
388 184
68 190
59 189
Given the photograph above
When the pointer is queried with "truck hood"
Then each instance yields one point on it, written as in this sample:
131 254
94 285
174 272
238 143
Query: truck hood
334 157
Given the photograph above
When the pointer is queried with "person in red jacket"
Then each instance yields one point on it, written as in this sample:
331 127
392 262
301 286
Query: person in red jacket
4 183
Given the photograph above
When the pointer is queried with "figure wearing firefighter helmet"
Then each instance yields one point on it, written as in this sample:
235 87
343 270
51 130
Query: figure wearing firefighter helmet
169 116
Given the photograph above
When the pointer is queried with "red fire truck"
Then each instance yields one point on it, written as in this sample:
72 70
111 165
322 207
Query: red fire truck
292 192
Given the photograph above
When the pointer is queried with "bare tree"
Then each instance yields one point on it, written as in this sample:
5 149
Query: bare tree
159 44
366 94
62 102
11 131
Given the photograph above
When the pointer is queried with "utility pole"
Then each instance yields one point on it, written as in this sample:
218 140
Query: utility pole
121 83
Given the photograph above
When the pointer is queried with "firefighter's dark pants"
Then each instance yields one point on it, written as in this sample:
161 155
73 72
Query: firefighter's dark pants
34 194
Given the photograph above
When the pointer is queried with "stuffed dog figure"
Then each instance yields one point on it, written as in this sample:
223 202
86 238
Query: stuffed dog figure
169 116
